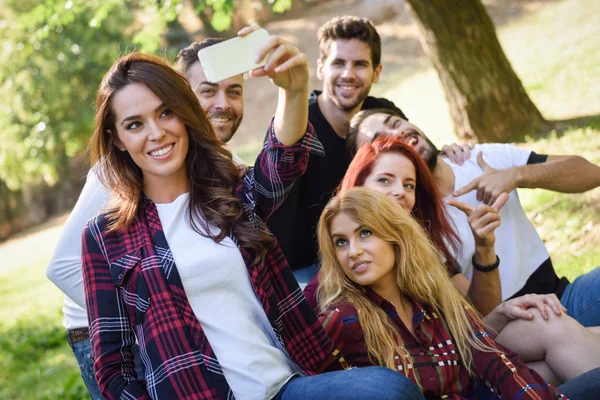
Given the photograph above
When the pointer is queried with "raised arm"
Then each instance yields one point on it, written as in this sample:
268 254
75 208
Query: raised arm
484 290
111 334
290 137
287 68
64 268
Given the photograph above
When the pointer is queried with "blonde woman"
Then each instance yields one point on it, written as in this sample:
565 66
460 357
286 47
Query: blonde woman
386 299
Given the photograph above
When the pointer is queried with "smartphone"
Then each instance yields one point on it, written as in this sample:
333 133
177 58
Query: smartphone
233 57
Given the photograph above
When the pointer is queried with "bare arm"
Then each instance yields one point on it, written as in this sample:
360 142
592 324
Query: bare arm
567 174
484 291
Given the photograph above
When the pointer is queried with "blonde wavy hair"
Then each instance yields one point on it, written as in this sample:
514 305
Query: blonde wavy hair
420 274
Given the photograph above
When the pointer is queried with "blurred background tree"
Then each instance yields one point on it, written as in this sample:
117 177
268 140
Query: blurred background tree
55 54
487 100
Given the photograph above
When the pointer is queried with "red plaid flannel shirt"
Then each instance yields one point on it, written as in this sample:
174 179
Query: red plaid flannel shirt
133 290
435 363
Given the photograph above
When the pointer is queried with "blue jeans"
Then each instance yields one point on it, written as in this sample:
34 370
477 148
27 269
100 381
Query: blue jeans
582 298
585 387
83 354
305 274
368 383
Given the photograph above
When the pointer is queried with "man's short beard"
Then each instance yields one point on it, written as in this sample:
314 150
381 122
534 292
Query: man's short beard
229 135
359 99
432 157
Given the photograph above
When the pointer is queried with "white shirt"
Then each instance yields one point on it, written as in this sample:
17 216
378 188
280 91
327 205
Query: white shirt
520 248
64 268
218 287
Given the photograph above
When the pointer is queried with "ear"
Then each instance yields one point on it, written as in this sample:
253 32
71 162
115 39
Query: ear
320 66
116 141
377 73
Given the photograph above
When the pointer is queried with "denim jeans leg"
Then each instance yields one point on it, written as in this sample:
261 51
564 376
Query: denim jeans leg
305 274
83 354
582 298
585 387
368 383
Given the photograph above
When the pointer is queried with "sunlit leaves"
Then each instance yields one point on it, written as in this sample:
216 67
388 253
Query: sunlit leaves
49 79
281 6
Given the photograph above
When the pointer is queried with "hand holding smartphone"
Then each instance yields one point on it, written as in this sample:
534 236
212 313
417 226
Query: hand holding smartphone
234 56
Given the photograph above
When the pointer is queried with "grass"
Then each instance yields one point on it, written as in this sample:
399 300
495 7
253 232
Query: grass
35 358
555 51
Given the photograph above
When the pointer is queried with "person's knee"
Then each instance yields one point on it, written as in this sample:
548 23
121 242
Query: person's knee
393 385
556 330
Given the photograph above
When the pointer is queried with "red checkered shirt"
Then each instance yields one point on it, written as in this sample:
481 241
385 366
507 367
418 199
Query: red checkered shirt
434 361
133 291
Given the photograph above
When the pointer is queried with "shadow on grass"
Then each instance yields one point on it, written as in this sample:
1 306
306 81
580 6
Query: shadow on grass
557 128
37 363
586 121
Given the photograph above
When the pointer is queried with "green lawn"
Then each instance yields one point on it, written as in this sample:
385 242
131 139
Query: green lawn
555 51
35 359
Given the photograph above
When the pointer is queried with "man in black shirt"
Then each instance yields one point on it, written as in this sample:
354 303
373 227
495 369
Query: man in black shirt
349 62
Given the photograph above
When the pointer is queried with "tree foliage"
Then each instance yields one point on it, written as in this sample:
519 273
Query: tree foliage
55 54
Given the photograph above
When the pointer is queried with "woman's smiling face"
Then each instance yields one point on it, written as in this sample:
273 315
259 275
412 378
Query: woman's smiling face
155 138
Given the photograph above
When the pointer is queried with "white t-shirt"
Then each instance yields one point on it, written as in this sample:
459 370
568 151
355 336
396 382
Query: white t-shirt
520 248
218 287
64 268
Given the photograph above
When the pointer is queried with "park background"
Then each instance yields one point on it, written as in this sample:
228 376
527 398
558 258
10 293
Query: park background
55 53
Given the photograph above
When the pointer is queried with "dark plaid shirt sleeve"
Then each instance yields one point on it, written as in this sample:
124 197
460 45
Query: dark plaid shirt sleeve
504 373
110 329
277 167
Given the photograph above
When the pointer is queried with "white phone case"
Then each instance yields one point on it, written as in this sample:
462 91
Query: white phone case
233 57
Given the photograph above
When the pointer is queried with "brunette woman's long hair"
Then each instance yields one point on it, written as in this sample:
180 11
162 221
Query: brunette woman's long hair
211 173
420 275
429 210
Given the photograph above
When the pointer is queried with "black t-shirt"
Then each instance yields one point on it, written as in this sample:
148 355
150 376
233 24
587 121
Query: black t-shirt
294 223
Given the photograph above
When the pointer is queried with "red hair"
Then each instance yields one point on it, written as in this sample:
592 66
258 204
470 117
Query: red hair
429 210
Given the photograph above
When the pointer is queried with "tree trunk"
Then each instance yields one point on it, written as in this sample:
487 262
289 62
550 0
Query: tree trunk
487 100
